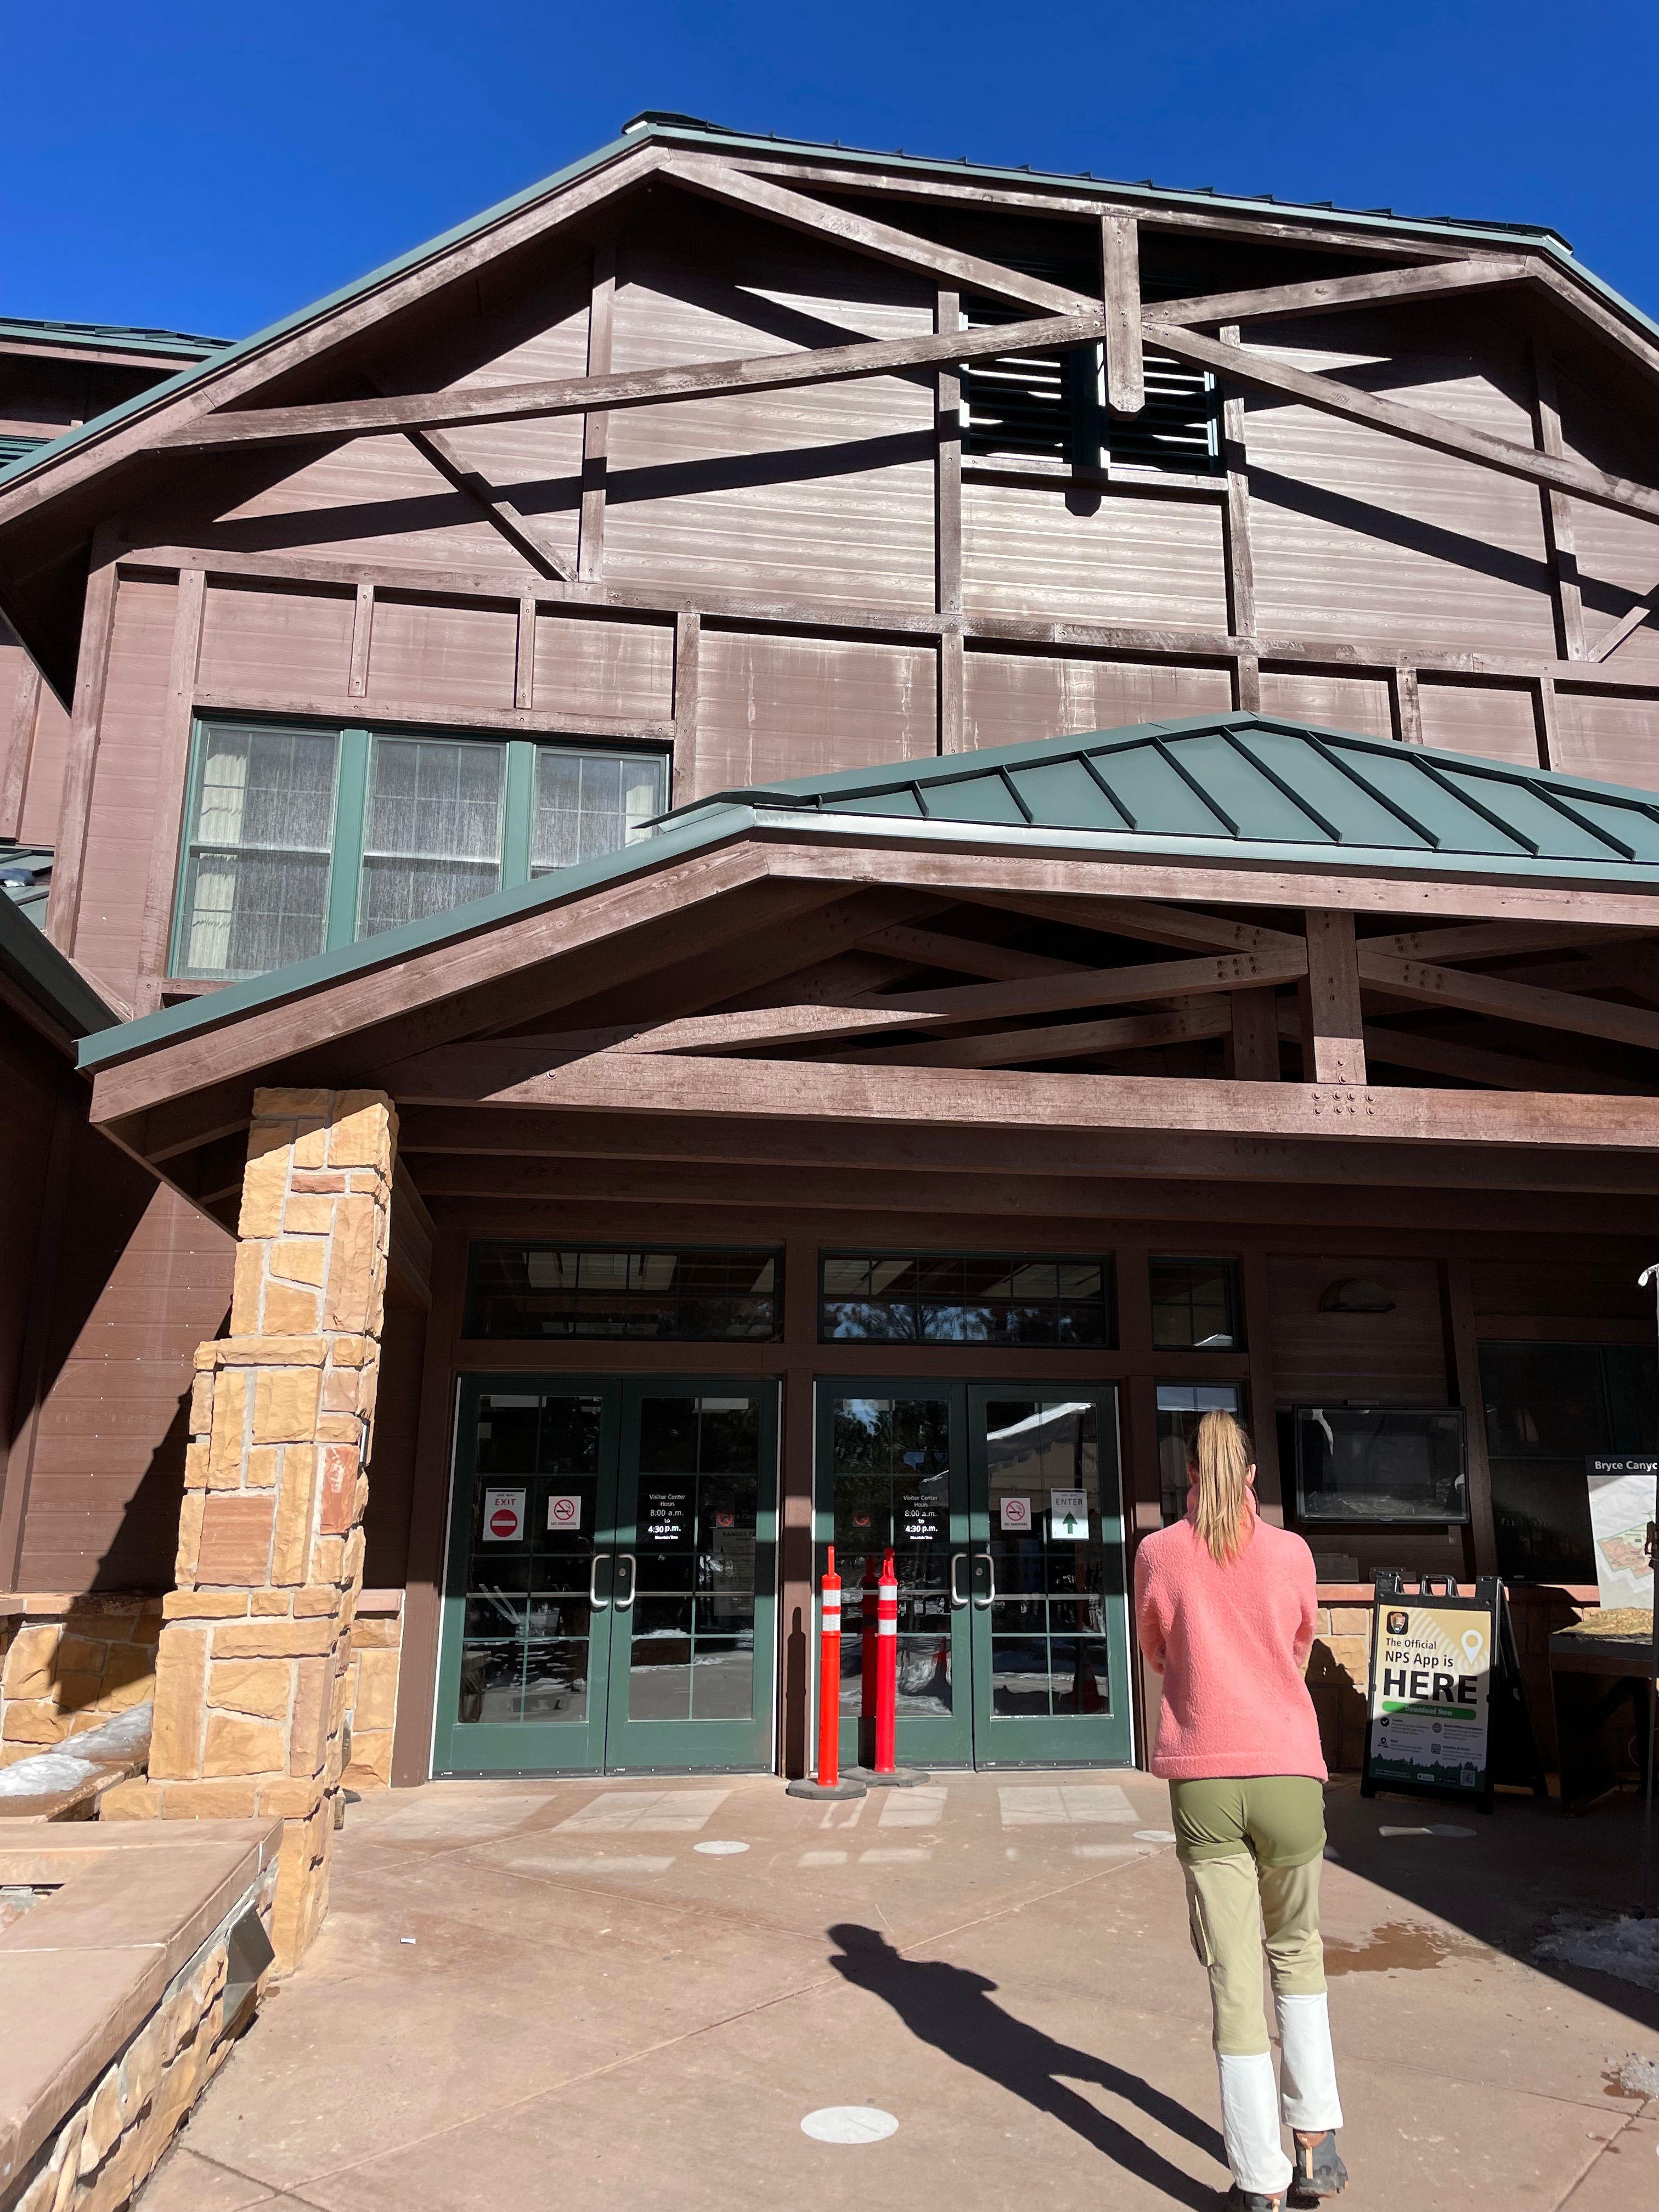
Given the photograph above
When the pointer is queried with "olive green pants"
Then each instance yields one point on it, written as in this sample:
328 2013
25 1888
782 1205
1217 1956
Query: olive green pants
1251 1851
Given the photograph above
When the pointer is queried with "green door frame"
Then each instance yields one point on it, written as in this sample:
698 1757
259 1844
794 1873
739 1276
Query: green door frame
605 1740
970 1736
1105 1739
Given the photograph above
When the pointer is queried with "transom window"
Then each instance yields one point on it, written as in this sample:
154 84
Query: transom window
1196 1305
301 839
727 1294
959 1297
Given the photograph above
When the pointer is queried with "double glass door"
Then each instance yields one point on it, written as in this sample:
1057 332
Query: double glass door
1002 1504
610 1600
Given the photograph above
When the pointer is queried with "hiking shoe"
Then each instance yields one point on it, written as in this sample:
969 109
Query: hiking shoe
1239 2199
1319 2171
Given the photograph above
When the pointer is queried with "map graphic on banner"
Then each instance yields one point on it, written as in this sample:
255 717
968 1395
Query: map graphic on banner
1431 1694
1621 1504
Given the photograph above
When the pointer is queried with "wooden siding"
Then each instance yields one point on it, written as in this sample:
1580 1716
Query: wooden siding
125 791
1394 1358
1611 734
1037 549
268 642
1341 700
431 655
1501 723
774 706
1014 697
585 666
31 1075
1355 532
33 737
1617 555
142 1281
823 494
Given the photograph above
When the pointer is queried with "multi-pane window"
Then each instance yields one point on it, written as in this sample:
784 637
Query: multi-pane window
299 840
728 1294
1196 1305
958 1297
1052 407
256 880
1549 1409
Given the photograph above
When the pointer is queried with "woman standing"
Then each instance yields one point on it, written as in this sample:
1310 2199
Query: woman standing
1226 1610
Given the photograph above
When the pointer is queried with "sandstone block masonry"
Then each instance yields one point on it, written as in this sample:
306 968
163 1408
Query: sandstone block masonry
251 1678
68 1663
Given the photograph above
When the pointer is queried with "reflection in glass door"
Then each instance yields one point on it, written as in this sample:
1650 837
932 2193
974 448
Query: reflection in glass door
1002 1507
610 1598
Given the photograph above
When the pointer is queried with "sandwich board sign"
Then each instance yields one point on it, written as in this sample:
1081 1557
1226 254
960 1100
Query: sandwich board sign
1436 1658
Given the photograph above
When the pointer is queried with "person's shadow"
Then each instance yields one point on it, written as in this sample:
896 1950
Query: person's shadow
950 2008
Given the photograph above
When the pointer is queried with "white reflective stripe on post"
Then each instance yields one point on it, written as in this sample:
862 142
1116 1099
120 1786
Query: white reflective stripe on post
887 1628
832 1619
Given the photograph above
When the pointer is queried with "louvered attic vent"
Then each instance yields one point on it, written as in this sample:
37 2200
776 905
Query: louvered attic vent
1052 407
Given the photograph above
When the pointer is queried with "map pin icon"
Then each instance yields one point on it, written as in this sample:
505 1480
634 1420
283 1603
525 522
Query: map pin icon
1473 1645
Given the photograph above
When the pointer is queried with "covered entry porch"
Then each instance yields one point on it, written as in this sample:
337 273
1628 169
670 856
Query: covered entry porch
890 1145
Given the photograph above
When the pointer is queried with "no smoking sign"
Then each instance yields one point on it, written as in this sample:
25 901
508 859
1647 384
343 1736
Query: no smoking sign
564 1510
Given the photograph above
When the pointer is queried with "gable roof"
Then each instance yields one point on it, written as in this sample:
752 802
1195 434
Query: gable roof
1247 787
53 986
55 654
121 338
1256 780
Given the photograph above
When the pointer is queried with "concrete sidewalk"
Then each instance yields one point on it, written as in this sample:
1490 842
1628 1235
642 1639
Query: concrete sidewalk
632 1993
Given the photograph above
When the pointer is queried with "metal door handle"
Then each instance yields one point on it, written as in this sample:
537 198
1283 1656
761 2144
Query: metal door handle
958 1560
626 1604
598 1604
989 1599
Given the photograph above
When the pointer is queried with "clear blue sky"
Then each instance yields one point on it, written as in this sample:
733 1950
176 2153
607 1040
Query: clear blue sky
211 168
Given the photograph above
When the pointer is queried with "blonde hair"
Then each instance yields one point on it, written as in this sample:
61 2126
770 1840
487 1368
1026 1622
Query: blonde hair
1221 1463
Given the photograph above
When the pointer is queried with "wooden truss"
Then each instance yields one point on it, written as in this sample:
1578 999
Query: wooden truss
1116 318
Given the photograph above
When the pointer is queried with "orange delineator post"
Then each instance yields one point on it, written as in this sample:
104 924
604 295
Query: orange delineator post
868 1698
829 1680
886 1640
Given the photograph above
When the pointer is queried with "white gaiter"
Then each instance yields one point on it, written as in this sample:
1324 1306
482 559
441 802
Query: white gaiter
1307 2065
1250 2122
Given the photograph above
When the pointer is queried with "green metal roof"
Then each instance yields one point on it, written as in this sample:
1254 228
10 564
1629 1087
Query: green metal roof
174 345
39 969
692 130
26 878
1250 779
1245 787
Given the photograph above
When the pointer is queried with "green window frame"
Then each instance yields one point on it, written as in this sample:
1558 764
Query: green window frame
532 838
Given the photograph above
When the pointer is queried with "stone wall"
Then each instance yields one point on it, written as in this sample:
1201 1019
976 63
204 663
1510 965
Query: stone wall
107 2146
373 1653
253 1670
70 1663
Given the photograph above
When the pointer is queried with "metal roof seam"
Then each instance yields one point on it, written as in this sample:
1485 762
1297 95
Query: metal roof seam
1208 798
1562 806
1234 739
1088 761
1013 790
1334 755
1467 798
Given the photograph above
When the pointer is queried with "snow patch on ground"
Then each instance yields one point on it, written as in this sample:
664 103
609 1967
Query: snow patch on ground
117 1742
1626 1947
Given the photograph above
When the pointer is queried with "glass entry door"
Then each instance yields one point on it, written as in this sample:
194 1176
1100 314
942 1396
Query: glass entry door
610 1601
1002 1504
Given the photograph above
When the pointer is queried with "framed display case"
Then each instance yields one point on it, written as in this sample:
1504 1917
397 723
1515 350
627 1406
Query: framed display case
1381 1463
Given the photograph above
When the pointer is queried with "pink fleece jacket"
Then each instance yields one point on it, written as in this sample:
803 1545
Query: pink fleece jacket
1230 1643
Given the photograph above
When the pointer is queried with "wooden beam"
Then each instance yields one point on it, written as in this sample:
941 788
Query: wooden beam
519 532
968 956
172 776
1097 987
1089 1105
641 387
1333 1038
363 635
596 424
1559 543
1257 372
685 768
1429 985
1492 940
1326 295
1626 626
1158 924
14 781
1120 268
518 1134
901 249
1241 563
1200 1017
85 723
1498 1071
1255 1029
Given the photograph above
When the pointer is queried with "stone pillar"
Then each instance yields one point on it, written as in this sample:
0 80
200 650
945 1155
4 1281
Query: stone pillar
251 1670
